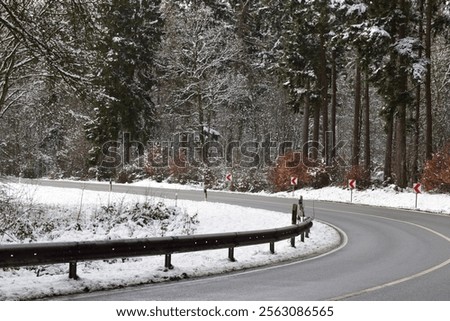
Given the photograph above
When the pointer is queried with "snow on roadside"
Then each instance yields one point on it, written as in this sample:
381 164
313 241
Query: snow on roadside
52 280
386 197
153 184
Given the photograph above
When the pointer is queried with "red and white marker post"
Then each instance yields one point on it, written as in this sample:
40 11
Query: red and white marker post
229 179
294 183
417 187
352 186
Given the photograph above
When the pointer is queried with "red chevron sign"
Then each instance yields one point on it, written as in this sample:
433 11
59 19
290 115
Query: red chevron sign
352 183
229 177
294 181
417 188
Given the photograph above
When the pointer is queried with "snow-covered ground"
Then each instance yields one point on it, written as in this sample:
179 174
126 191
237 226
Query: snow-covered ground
386 197
68 206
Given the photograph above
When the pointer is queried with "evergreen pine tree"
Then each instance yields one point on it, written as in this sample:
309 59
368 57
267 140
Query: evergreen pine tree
128 37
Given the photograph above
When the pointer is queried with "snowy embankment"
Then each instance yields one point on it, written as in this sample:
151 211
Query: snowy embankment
385 197
388 196
80 215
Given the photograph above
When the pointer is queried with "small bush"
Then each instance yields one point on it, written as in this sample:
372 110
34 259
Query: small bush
210 177
320 176
101 173
128 174
360 174
146 217
19 221
436 173
182 172
249 180
157 165
292 164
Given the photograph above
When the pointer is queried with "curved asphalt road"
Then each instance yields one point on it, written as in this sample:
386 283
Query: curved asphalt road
389 255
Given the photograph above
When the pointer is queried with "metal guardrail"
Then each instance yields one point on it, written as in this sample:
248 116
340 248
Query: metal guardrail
17 255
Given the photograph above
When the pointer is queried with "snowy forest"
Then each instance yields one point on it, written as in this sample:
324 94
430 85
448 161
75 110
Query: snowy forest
324 90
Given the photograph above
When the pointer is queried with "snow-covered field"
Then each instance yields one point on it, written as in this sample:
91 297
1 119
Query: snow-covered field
68 207
387 196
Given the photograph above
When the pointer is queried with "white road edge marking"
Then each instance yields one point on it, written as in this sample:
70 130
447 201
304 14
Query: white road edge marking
405 279
379 287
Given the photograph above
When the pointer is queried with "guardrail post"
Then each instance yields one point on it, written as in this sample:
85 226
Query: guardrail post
168 262
231 254
272 247
73 270
294 213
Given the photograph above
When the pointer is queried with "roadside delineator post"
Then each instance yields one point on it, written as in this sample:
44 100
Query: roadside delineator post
352 186
110 190
418 189
301 209
294 183
229 181
205 192
302 217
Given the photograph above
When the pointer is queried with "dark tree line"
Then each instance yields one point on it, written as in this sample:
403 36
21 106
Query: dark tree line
358 83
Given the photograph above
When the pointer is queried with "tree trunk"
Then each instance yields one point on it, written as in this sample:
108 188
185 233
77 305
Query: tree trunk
242 19
333 107
316 132
415 162
401 147
428 102
388 152
367 156
356 116
305 133
201 124
324 99
401 110
4 83
126 141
